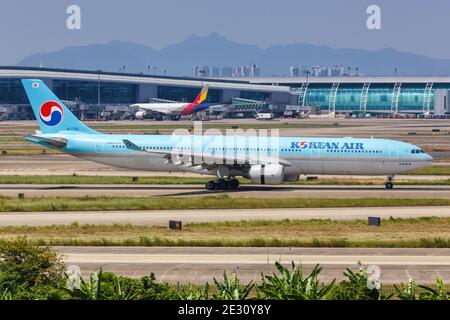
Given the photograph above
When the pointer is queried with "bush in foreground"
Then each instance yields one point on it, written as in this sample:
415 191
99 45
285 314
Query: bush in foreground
32 272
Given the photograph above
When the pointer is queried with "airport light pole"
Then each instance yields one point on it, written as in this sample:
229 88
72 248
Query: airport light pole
98 86
307 72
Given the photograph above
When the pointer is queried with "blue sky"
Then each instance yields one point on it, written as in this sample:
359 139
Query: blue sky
418 26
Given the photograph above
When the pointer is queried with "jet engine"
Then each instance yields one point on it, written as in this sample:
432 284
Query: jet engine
140 114
266 174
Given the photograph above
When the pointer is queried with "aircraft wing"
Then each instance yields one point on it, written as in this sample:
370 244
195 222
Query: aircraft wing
210 160
55 142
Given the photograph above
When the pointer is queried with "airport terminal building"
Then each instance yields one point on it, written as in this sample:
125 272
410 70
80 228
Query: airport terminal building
99 92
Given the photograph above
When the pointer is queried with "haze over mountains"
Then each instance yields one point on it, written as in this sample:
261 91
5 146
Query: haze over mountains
215 50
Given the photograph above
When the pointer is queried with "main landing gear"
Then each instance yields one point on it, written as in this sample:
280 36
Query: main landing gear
389 185
222 184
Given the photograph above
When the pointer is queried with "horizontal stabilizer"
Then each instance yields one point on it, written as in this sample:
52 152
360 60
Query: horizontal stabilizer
56 142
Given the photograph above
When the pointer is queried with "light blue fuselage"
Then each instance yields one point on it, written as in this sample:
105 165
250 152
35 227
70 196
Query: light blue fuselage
265 160
309 155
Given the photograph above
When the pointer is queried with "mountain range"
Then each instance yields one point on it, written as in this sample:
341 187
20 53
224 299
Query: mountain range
215 50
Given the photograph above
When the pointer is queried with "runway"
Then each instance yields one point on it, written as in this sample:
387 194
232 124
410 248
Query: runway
63 164
244 191
200 265
161 217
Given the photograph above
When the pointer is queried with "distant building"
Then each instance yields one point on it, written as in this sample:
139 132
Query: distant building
227 72
215 72
202 71
337 71
255 71
320 71
296 71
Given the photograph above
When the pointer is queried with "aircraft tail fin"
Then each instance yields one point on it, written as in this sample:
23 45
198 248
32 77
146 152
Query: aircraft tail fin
51 114
202 95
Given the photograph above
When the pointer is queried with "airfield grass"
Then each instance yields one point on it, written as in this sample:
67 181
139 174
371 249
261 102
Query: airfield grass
223 201
76 179
27 150
432 171
412 233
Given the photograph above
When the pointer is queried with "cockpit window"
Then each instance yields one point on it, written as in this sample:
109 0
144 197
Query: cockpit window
417 151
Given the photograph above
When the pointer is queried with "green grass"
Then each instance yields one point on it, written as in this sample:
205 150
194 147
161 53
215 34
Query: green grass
429 232
27 151
151 126
432 171
76 179
150 180
208 202
254 242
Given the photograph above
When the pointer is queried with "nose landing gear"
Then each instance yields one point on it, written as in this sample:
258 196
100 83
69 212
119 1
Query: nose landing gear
222 184
389 185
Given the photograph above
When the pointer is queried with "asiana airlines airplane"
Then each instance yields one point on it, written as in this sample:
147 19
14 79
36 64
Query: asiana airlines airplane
272 160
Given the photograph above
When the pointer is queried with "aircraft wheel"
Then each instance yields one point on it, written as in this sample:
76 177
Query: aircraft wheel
234 184
222 184
211 185
389 185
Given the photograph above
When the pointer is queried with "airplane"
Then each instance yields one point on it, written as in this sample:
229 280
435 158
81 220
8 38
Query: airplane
171 108
275 161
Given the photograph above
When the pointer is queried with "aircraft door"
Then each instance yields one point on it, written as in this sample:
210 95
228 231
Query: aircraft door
99 147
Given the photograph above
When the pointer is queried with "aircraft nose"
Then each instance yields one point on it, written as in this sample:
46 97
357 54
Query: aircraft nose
428 157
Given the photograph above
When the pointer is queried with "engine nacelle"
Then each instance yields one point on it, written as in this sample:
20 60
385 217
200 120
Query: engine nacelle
140 114
266 174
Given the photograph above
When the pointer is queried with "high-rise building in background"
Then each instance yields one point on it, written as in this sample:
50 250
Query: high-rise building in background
227 72
296 71
337 71
215 71
318 71
255 71
202 71
236 71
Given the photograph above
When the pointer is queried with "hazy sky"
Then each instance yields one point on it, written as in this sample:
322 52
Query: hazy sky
418 26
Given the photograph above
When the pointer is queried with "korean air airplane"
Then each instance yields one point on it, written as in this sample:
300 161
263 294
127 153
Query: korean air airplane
263 160
174 108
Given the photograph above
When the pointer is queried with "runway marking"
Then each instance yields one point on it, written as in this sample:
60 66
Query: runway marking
394 260
161 217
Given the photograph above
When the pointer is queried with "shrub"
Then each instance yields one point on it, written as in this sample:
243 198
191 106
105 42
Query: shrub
292 285
231 289
192 292
440 293
406 292
24 266
355 287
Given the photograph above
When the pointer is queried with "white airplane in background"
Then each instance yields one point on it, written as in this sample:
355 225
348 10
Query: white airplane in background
174 108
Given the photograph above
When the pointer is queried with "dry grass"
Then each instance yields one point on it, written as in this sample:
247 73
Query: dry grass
421 232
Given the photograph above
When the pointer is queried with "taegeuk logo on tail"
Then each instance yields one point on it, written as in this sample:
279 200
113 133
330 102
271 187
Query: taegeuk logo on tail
51 113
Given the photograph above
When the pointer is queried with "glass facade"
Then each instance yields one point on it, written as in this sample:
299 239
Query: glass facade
258 96
12 92
185 94
348 96
87 91
379 97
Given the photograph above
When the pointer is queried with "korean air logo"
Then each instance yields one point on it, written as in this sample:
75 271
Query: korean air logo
303 144
51 113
